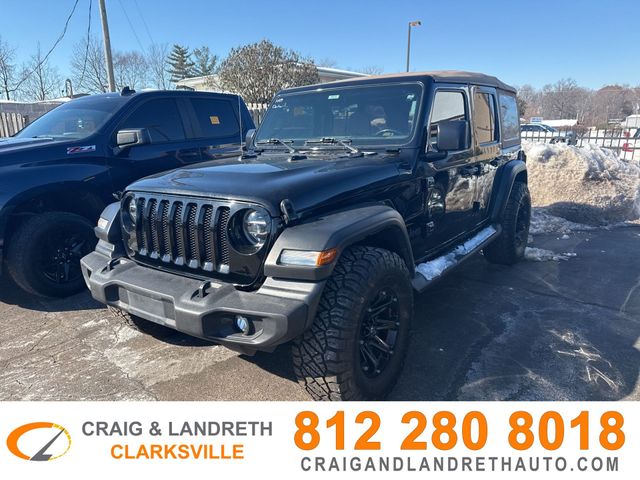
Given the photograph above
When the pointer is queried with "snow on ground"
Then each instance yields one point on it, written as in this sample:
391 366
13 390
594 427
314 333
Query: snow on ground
541 255
543 222
585 185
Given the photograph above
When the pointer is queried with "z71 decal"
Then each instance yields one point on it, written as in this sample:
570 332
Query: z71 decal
85 149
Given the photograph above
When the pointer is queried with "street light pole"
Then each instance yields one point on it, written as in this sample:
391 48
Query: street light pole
416 23
107 46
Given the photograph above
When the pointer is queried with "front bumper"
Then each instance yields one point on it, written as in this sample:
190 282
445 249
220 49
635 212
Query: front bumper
278 311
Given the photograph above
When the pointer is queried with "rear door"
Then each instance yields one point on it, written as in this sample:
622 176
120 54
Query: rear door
169 148
486 124
216 125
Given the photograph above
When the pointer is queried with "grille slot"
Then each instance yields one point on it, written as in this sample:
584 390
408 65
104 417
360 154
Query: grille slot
185 233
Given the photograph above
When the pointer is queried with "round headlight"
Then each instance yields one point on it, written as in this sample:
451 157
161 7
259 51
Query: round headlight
256 227
133 209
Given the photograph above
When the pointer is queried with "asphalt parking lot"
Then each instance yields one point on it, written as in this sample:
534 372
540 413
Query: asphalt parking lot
557 330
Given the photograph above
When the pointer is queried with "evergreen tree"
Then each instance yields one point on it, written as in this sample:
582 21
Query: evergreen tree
180 63
205 62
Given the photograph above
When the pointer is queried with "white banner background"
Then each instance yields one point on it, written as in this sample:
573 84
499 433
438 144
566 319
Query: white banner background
278 457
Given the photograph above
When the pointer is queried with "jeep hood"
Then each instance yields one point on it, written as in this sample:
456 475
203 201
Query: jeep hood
270 178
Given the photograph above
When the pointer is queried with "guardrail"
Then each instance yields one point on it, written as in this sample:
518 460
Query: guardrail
624 141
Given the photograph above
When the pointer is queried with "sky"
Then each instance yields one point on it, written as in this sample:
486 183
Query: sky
520 41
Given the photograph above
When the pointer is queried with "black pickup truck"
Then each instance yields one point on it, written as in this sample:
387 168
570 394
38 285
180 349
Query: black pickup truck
352 197
60 172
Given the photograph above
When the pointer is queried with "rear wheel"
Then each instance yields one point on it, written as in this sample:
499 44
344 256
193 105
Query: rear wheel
510 245
356 346
44 254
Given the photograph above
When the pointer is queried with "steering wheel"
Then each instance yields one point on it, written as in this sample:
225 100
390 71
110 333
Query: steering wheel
385 131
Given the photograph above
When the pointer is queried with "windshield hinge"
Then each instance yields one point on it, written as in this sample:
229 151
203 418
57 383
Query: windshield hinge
289 214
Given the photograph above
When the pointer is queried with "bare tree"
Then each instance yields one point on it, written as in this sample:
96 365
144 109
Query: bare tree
257 71
130 70
88 67
563 99
7 69
327 62
41 80
157 62
371 70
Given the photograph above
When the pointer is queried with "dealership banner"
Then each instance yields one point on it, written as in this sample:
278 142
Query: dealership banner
317 440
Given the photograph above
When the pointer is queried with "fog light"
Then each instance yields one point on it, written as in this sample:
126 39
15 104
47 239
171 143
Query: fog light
242 324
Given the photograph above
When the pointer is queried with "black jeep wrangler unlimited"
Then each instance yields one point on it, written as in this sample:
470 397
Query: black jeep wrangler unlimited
61 171
351 196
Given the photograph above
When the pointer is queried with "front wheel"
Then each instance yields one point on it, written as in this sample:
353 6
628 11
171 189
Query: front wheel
44 254
356 347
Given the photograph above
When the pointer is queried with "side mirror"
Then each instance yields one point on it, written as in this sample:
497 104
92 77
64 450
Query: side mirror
452 135
248 139
132 136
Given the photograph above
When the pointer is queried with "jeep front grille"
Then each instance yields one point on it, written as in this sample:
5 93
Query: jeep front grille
182 232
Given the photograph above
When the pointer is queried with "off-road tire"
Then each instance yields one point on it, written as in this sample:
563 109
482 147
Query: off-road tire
33 237
327 357
140 324
510 245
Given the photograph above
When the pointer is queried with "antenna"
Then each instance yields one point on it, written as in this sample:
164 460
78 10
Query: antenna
240 119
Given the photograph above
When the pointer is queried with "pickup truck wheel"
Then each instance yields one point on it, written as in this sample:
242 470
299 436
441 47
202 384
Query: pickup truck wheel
44 254
140 324
356 346
509 247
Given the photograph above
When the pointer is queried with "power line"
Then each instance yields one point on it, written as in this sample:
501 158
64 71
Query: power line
131 25
41 62
86 51
144 22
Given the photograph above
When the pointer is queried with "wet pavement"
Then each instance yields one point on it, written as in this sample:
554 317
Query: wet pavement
554 330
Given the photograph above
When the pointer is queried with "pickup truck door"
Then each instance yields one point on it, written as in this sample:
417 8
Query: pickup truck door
450 181
170 145
216 126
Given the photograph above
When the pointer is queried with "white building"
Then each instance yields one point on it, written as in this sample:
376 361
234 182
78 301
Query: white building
212 83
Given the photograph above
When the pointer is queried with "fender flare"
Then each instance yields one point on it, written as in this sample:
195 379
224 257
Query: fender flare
503 186
339 230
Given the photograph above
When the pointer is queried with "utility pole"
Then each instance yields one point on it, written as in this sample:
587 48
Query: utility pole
417 23
107 46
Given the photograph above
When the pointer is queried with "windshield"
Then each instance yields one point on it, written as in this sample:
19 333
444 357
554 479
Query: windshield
73 120
364 115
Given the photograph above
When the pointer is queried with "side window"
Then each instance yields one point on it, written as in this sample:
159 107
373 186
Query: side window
447 106
509 117
216 118
484 117
160 117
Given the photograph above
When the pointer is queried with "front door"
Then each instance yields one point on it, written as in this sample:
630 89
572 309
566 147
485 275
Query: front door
168 148
450 183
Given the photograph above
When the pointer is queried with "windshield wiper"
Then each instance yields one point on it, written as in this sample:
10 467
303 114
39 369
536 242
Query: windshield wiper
277 141
334 141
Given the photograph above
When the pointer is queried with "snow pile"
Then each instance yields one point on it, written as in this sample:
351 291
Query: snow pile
588 184
542 255
543 222
434 268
